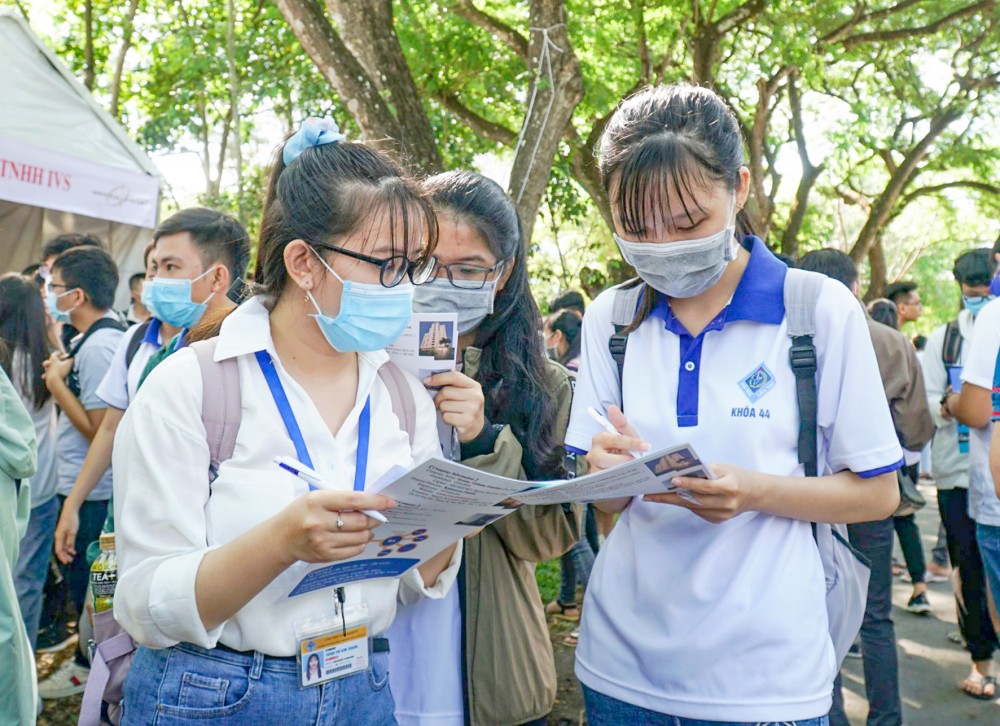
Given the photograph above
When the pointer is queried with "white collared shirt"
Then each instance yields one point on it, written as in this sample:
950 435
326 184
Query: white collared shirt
166 521
725 622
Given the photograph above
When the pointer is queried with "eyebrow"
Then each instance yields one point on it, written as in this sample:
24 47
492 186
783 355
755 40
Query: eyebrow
165 260
473 259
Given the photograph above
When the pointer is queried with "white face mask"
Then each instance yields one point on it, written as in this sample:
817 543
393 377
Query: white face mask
440 296
684 268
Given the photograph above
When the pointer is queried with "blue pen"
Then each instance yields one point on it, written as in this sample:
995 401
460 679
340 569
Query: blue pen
315 482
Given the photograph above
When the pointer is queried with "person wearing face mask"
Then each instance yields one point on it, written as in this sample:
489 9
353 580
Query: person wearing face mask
197 254
714 610
944 357
80 291
206 560
484 652
562 338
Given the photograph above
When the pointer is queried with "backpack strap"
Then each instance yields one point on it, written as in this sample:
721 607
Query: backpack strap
73 379
951 350
622 314
221 403
802 290
135 342
401 396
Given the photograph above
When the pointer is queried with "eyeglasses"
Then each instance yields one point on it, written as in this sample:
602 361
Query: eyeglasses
469 277
393 269
49 285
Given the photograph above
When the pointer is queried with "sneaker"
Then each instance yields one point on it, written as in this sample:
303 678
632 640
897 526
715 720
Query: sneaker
937 573
854 651
918 604
957 638
69 680
56 638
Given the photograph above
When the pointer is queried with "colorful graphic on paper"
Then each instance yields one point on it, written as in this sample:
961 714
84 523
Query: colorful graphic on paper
402 543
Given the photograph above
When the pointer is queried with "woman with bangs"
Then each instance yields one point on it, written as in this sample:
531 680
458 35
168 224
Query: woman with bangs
710 608
206 562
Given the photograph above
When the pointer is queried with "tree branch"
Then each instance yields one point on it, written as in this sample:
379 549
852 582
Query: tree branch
929 29
739 15
511 37
961 184
479 125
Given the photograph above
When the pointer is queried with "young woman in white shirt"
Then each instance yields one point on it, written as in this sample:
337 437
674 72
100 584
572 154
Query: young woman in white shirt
205 568
716 612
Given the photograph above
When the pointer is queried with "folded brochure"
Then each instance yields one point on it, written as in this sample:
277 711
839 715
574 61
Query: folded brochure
440 502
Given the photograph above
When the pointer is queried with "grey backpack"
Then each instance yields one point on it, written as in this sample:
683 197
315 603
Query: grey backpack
847 571
221 412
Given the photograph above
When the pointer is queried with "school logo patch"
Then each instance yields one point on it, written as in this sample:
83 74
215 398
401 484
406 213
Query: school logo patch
758 383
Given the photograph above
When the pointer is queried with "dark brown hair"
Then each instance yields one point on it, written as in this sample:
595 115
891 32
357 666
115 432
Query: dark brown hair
331 191
676 137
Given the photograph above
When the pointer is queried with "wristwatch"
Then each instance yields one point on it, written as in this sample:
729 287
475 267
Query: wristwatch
944 401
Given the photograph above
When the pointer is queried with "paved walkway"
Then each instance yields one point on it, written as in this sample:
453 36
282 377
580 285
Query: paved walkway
931 667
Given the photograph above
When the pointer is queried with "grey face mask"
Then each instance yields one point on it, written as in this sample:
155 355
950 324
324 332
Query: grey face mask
440 296
684 268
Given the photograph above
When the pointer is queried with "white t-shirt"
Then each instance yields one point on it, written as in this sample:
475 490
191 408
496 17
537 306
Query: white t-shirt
121 381
725 621
166 521
980 363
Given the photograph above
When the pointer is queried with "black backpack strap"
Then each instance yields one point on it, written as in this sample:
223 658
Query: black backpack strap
136 342
73 379
951 350
802 290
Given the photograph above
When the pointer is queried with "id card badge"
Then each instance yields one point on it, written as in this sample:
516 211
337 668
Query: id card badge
334 645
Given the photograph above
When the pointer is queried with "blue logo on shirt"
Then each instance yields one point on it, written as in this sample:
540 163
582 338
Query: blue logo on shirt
758 383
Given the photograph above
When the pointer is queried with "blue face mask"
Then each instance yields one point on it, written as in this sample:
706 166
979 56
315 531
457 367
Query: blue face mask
995 284
371 317
170 300
975 303
52 305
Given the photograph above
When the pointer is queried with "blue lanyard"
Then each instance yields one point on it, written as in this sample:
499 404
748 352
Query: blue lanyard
295 434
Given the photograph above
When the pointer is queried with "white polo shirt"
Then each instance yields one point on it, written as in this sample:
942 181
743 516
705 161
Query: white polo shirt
121 382
166 521
980 364
725 621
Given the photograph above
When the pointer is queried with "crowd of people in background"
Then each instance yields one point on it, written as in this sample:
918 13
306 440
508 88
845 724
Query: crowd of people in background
701 605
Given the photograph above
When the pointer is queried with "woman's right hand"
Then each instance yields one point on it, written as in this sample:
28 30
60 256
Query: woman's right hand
66 531
608 450
308 526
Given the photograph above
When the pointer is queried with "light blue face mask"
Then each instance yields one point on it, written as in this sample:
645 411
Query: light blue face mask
52 305
975 303
170 300
371 317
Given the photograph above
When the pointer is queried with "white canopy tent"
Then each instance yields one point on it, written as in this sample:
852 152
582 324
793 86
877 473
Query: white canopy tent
65 163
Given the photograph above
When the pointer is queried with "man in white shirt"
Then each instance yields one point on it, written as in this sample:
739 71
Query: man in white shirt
973 407
192 243
947 350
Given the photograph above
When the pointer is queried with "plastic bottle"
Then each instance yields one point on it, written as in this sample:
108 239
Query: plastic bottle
104 574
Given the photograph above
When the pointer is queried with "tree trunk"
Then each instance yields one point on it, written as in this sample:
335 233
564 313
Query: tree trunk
234 102
556 89
900 178
810 173
877 266
352 83
88 45
369 33
116 81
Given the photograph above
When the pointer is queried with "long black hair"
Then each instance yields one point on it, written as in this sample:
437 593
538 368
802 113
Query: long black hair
662 138
568 323
512 371
22 328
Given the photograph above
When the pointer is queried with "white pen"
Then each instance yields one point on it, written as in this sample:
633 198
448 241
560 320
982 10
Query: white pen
314 481
609 427
596 415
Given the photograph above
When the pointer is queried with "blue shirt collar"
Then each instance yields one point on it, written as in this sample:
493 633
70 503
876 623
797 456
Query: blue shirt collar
152 335
759 296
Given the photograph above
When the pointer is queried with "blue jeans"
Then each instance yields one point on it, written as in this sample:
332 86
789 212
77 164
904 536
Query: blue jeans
878 635
187 684
607 711
988 538
33 564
